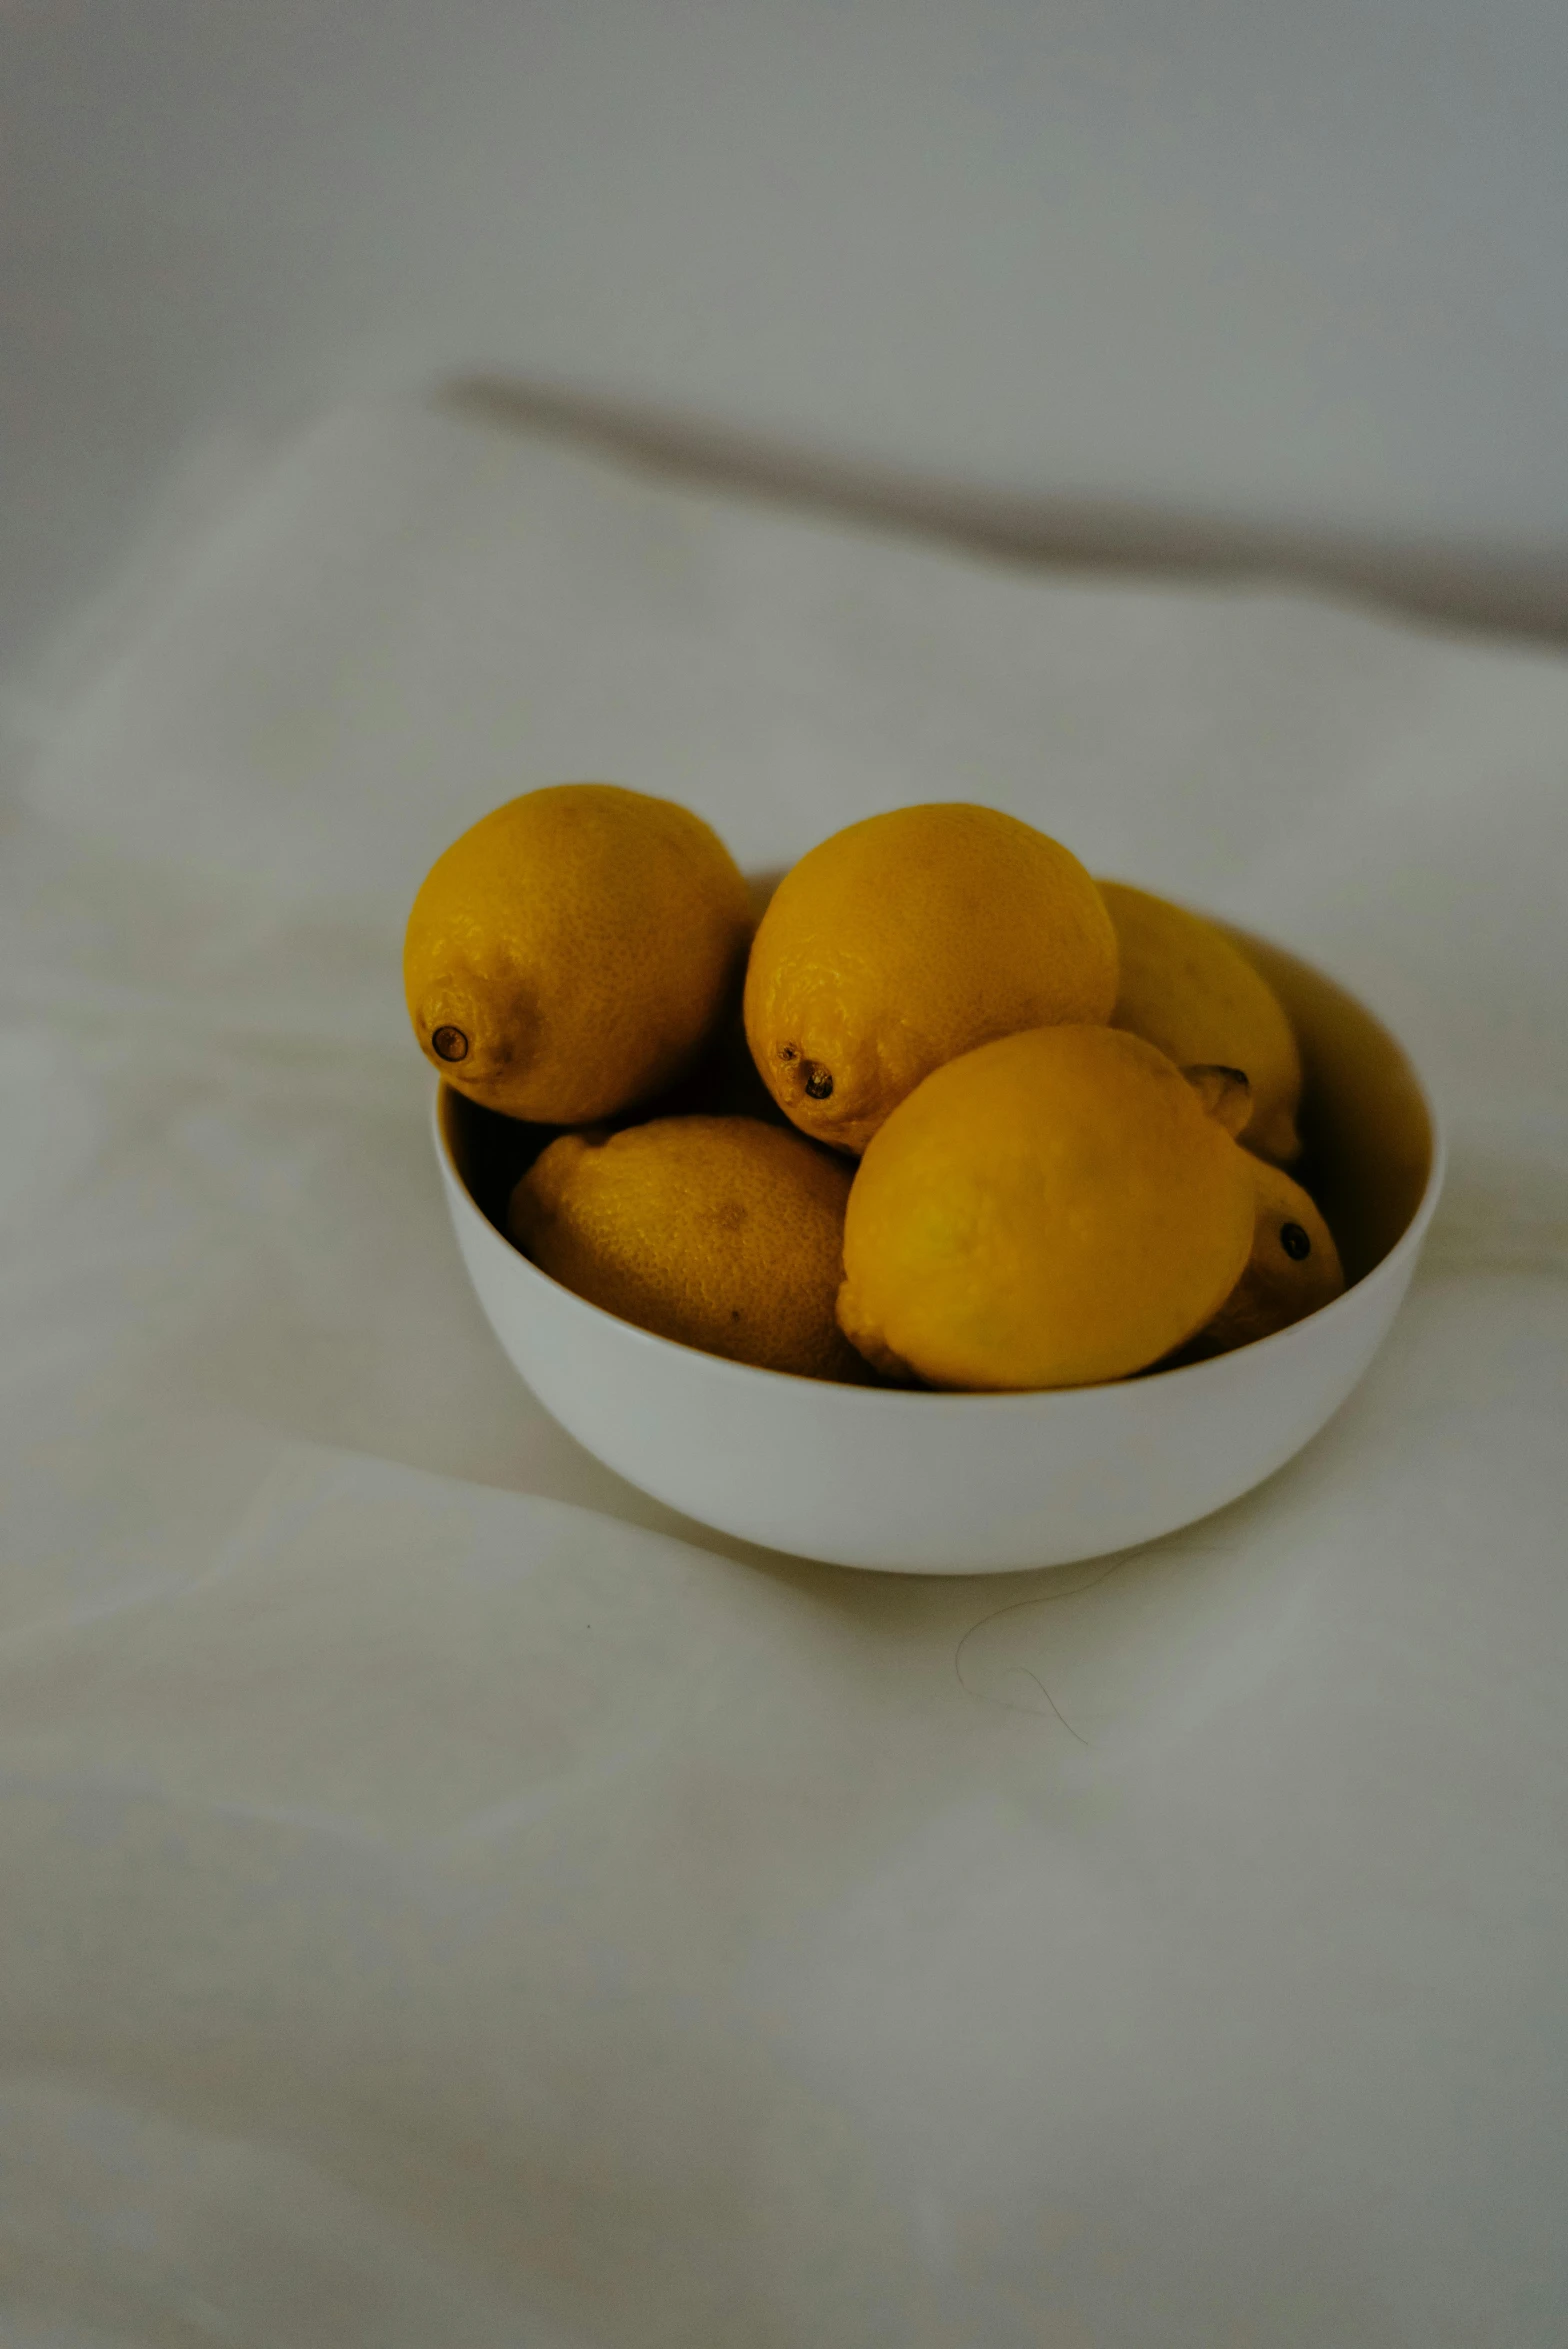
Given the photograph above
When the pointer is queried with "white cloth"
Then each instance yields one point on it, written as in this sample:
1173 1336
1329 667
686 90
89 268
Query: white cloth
435 1913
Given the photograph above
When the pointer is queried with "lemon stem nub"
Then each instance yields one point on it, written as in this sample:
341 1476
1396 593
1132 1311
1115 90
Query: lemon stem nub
450 1044
1226 1093
819 1083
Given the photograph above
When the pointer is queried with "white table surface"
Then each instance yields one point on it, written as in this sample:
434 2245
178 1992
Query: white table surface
448 1899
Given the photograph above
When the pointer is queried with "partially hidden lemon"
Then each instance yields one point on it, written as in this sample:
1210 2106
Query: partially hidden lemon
1293 1268
906 940
719 1232
1052 1210
1186 988
569 954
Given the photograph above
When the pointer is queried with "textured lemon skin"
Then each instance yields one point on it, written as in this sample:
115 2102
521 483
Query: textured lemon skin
908 939
579 941
719 1232
1052 1210
1278 1285
1186 988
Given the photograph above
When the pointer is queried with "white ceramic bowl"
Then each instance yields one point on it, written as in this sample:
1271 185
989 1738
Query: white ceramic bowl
922 1483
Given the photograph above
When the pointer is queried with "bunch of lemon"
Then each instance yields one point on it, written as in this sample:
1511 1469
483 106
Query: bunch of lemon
944 1110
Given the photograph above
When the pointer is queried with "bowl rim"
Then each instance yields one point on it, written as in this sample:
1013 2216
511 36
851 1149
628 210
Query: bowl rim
1217 1369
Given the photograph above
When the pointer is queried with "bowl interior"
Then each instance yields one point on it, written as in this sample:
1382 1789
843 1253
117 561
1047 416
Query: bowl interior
1368 1139
1367 1131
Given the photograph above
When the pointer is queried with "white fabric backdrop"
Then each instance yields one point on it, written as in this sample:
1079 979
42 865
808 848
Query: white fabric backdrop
448 1898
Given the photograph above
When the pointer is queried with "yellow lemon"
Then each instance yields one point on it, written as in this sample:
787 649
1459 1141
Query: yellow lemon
569 954
1186 988
907 940
1294 1267
719 1232
1051 1210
